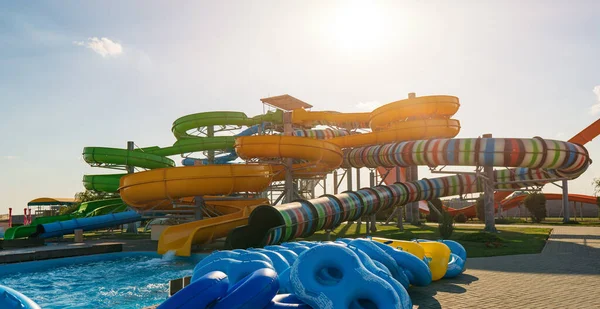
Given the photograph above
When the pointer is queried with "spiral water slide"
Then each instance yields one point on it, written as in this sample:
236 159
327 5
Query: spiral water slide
314 156
534 160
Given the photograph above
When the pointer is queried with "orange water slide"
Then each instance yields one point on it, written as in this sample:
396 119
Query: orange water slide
517 200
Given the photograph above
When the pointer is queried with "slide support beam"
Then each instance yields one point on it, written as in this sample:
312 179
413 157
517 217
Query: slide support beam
565 201
490 220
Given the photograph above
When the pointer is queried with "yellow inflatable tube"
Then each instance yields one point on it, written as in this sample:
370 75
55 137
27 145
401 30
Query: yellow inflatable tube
439 255
409 246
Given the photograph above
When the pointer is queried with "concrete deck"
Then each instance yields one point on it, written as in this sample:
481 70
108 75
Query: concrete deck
57 250
565 275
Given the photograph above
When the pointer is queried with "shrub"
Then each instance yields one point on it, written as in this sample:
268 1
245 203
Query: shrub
433 216
446 225
479 208
536 204
460 218
509 220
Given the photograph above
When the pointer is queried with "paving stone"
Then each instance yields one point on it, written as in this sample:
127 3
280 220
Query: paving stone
565 275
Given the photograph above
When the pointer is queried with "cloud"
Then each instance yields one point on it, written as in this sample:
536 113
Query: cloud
368 106
9 157
595 109
102 46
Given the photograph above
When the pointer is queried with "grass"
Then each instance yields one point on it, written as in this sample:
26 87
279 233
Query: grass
548 221
509 241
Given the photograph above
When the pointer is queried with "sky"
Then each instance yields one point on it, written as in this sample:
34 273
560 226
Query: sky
101 73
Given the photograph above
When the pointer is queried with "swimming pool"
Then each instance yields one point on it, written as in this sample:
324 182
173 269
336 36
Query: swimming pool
127 280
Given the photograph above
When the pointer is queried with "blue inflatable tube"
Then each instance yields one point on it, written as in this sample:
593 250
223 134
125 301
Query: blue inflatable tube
287 301
234 269
377 254
456 266
420 274
279 262
239 256
288 254
200 293
252 292
60 228
355 283
11 299
382 271
456 248
298 248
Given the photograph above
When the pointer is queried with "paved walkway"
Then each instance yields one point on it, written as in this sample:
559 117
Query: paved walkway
565 275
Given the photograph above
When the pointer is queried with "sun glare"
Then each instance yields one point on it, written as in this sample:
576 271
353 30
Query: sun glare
356 25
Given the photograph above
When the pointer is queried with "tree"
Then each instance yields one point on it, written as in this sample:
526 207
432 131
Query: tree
536 204
596 184
480 207
88 196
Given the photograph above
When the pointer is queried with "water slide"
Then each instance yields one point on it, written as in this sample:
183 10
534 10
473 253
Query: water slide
86 209
315 157
586 135
424 122
531 159
518 199
60 228
179 238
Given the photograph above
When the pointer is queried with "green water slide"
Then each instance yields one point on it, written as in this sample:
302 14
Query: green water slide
156 157
84 210
108 209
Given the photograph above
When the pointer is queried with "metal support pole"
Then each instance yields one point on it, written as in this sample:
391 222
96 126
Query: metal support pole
488 171
130 170
349 182
289 177
349 179
199 201
565 201
373 216
408 206
359 222
325 185
335 182
414 206
130 147
210 132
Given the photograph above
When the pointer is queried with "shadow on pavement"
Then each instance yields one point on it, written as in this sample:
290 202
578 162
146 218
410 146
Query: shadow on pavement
557 257
423 297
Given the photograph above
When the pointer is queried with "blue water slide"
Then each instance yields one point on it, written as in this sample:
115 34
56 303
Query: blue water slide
226 158
60 228
11 299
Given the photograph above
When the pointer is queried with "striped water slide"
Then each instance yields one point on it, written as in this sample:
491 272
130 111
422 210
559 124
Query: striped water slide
534 159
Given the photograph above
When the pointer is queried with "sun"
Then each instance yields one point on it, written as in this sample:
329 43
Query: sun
356 25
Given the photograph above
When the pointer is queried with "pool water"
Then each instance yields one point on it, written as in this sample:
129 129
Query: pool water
121 280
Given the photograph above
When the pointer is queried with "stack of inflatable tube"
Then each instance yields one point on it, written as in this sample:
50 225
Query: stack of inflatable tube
11 299
346 273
